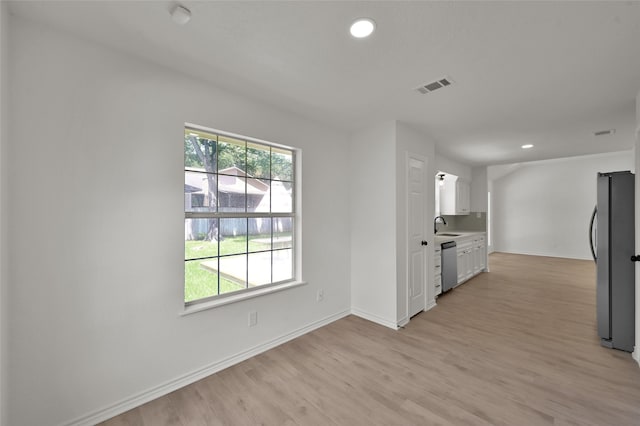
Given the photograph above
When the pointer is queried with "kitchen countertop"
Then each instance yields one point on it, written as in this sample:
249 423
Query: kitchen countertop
439 238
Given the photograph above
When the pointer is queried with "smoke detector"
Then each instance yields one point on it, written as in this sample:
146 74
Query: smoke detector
180 14
434 85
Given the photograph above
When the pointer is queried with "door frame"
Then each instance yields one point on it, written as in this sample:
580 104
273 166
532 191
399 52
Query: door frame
428 252
636 352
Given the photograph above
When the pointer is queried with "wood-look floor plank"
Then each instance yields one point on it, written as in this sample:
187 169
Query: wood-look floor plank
516 346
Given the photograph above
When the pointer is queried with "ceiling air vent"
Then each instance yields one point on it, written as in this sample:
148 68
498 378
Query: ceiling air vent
605 132
438 84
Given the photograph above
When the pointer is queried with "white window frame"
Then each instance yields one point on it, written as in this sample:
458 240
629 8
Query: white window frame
247 293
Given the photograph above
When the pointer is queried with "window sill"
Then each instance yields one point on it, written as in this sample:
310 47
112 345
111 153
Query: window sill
192 309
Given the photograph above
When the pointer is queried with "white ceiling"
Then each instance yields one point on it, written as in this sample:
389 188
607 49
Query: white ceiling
546 73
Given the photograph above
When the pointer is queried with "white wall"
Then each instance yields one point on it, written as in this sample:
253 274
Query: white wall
96 229
409 140
479 188
373 218
544 207
4 121
454 167
379 287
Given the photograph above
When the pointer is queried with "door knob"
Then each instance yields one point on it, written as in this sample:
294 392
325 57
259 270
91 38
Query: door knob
424 243
635 258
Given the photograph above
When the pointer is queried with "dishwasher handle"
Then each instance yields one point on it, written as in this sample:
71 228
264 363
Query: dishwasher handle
448 244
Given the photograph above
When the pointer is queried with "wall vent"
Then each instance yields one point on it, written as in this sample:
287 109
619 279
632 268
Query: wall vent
435 85
605 132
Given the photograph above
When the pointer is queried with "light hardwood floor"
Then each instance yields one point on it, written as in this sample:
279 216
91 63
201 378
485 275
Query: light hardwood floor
516 346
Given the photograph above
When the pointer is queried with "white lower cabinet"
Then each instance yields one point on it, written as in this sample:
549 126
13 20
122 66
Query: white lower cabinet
472 257
465 262
479 255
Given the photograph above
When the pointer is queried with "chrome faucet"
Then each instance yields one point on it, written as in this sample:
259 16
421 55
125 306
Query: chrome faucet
435 223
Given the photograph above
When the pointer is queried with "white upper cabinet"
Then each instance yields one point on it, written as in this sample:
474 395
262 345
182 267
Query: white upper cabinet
463 197
455 197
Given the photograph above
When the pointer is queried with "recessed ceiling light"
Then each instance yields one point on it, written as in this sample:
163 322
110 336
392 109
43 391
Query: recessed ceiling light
180 14
527 146
362 27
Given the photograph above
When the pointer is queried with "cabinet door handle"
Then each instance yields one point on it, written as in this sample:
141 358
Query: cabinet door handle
424 243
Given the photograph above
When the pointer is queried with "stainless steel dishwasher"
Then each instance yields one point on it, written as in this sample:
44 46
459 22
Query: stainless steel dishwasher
449 265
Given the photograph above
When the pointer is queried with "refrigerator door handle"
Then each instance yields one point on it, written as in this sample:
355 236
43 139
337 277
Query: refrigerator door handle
593 223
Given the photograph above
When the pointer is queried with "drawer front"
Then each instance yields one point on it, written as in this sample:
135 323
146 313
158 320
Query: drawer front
438 285
437 270
437 265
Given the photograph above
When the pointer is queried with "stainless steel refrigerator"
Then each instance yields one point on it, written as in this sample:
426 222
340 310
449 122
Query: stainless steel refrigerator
612 237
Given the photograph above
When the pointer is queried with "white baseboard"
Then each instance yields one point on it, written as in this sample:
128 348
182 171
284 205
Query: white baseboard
374 318
635 355
179 382
403 321
430 305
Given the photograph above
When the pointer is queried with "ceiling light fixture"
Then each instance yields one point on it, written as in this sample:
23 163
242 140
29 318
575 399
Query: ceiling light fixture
527 146
180 14
441 179
362 27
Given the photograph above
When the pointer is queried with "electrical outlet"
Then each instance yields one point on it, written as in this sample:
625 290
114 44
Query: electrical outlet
320 295
253 318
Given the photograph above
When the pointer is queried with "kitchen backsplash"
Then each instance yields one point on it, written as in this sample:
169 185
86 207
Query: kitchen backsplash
470 222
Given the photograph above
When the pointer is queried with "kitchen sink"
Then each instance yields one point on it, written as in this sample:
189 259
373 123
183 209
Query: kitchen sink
447 235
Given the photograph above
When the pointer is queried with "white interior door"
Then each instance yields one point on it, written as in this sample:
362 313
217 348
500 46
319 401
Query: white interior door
636 351
416 170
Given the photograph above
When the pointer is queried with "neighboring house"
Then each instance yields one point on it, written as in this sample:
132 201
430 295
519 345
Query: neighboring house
235 188
233 184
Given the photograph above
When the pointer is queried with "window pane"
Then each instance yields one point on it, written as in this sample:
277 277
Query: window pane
281 164
282 265
232 155
258 195
258 160
281 197
282 232
230 285
200 279
200 238
200 150
232 195
259 268
199 192
234 270
233 234
225 174
259 234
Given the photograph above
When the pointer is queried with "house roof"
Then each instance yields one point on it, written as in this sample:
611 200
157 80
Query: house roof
230 180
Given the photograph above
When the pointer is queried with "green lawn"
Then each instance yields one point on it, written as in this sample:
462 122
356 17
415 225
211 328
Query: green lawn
230 245
200 282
